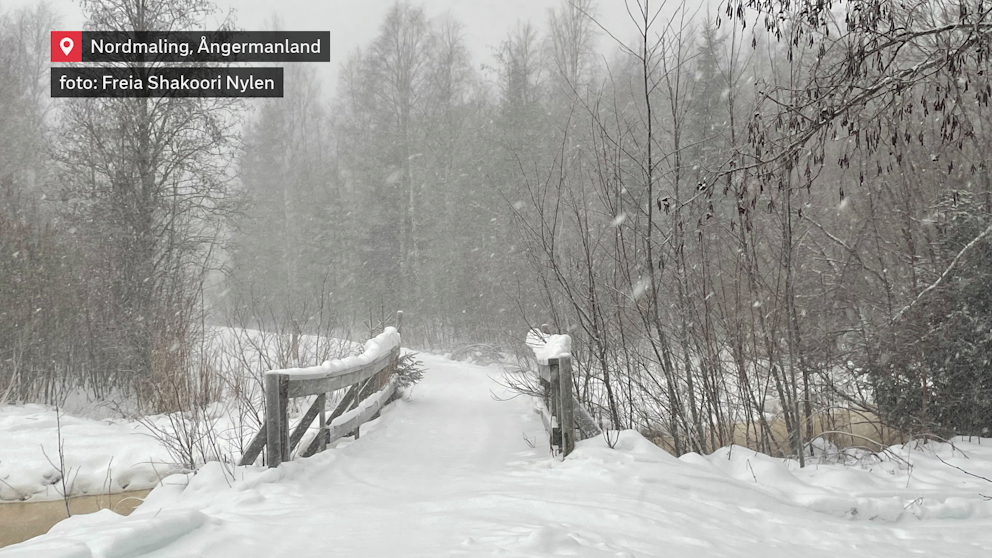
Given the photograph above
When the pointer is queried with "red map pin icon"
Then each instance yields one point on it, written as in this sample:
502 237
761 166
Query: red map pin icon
67 46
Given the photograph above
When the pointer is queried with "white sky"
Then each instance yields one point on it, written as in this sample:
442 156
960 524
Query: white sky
354 23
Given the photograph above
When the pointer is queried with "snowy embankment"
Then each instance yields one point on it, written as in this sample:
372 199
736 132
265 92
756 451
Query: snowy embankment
100 455
450 472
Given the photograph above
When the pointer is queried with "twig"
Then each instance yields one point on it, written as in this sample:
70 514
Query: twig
970 474
65 491
943 275
22 496
110 482
750 468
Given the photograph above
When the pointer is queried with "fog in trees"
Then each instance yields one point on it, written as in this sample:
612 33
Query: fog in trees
754 218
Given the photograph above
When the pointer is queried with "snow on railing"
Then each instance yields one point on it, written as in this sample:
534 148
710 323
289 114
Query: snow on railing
374 349
547 346
369 376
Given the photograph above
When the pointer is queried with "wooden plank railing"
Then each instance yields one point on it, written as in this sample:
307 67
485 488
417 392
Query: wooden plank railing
371 385
565 418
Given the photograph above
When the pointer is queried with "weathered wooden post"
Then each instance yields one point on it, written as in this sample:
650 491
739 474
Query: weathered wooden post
566 417
322 432
276 419
399 321
554 398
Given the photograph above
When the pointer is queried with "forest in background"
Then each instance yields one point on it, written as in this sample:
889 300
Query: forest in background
749 219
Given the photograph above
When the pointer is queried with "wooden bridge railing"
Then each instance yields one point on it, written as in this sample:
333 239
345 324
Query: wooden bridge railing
371 382
565 418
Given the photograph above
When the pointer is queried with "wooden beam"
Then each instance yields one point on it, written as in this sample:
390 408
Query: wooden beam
338 380
254 448
566 417
284 415
544 371
545 417
376 402
323 421
305 422
276 421
554 405
586 427
554 392
342 406
367 389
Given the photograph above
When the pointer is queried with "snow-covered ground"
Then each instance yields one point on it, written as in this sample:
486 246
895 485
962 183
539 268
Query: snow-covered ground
100 455
451 472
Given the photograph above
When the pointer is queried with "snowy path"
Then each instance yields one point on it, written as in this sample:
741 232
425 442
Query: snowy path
448 473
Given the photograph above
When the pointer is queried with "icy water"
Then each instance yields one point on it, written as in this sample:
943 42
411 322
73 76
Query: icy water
20 521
